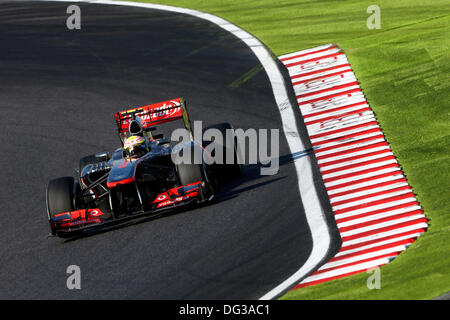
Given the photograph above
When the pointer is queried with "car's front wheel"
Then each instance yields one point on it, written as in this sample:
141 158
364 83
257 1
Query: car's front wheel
60 198
191 172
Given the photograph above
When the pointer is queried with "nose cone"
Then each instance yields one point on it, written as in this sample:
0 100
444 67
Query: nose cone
122 172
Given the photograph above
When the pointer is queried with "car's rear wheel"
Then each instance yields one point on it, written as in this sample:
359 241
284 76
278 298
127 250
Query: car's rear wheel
189 173
60 198
226 171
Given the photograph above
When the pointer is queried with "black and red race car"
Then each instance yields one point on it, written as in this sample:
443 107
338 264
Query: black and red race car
117 188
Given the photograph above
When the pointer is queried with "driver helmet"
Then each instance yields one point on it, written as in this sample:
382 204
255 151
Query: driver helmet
136 146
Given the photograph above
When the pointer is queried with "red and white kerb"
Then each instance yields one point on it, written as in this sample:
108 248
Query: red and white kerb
375 209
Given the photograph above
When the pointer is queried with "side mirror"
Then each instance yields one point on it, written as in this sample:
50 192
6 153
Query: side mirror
104 156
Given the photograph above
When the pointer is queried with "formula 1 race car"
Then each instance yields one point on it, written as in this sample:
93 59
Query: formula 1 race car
140 178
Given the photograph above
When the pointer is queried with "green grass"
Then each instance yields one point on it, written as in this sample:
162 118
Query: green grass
404 70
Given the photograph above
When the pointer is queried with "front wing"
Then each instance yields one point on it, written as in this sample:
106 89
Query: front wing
77 220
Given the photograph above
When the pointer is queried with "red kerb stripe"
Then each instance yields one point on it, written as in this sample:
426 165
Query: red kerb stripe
373 186
385 238
331 96
371 195
334 109
333 55
378 211
386 229
348 136
349 143
306 54
387 255
322 77
373 249
307 284
356 165
347 184
374 203
319 71
352 174
328 133
337 116
373 222
341 153
354 83
361 156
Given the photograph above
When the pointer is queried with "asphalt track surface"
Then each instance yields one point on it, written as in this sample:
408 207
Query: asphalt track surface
59 89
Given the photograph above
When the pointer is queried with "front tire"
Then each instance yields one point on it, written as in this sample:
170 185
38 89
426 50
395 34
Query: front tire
60 198
190 173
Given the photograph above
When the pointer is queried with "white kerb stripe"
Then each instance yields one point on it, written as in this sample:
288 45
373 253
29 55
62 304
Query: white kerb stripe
340 271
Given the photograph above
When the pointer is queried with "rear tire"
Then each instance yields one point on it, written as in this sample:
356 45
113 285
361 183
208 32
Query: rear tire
190 173
226 171
60 198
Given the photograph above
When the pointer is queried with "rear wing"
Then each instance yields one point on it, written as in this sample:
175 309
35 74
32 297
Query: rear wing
152 115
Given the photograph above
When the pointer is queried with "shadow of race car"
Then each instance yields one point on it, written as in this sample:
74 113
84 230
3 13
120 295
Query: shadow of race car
123 186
